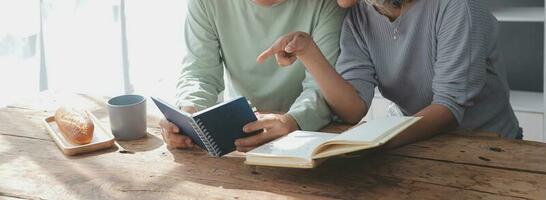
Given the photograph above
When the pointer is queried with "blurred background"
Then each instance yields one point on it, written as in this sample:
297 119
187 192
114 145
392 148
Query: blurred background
112 47
106 47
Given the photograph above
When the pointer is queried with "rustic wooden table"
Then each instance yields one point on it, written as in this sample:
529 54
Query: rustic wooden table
451 166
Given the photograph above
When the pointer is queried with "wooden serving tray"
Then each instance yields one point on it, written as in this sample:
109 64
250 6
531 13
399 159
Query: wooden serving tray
102 138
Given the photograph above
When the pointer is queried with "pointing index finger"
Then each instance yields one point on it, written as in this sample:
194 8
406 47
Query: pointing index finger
274 49
264 55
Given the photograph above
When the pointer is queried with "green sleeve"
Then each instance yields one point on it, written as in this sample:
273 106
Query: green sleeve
310 109
201 78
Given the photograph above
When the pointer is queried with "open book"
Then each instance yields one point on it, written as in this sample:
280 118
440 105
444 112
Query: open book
301 149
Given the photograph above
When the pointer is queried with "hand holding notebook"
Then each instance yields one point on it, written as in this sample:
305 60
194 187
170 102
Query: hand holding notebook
214 129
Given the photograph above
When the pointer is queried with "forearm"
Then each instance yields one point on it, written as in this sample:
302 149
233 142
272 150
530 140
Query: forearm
340 95
436 119
201 77
200 93
310 110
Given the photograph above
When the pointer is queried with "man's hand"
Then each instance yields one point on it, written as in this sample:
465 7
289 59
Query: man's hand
171 134
289 48
273 125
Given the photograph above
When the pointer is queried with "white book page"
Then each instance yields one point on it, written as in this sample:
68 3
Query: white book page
373 131
298 144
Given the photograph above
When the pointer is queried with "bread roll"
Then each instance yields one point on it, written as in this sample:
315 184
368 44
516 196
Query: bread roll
75 125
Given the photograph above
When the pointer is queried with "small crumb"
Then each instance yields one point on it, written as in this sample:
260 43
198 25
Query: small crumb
462 151
126 152
484 159
255 172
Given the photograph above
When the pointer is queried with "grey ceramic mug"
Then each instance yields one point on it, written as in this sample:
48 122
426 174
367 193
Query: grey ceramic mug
128 116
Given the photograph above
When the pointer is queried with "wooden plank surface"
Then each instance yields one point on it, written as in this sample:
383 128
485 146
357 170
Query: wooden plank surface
451 166
45 173
481 151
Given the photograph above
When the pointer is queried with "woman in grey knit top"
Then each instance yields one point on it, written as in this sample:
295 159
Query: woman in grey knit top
434 58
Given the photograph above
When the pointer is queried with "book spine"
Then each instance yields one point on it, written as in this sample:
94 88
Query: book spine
206 138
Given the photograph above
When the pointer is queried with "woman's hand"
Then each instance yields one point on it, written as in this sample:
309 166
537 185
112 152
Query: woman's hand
289 48
342 98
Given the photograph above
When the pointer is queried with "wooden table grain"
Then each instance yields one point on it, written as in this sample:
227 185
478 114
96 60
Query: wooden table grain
450 166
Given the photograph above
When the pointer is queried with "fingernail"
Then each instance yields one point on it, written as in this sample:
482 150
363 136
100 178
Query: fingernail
289 49
237 143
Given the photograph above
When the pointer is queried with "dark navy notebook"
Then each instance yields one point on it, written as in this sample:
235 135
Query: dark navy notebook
214 129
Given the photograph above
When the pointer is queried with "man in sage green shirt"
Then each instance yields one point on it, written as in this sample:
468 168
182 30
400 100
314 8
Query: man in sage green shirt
223 39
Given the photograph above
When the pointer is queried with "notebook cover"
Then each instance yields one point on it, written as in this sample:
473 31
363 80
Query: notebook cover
224 122
179 118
